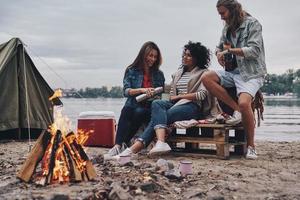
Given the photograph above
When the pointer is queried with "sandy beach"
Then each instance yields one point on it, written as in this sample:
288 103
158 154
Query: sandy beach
275 175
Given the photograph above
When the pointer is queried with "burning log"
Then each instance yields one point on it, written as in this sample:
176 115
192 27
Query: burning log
34 157
63 159
76 147
75 174
52 159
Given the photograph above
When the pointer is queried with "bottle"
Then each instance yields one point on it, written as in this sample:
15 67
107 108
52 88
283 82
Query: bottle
143 97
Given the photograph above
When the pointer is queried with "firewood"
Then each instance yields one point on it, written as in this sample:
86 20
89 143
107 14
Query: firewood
63 160
34 157
91 172
55 146
75 174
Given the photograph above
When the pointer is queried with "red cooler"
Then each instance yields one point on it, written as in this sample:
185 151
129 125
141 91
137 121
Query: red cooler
103 125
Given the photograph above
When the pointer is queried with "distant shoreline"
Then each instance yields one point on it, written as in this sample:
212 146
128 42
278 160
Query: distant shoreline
282 97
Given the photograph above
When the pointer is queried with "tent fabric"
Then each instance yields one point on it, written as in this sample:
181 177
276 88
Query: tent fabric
15 63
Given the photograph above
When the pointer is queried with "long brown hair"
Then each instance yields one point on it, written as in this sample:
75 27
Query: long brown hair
144 51
236 12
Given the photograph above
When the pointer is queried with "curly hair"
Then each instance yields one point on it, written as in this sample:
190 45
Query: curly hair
200 53
236 12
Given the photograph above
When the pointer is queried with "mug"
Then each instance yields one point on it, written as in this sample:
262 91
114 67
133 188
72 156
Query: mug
185 167
124 159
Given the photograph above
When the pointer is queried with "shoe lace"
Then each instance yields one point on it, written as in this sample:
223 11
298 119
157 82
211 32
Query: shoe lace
114 151
124 146
252 151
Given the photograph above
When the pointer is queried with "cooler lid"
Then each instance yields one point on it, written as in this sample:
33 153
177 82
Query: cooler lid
97 115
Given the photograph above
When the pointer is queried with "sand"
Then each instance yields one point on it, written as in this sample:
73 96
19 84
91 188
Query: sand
274 175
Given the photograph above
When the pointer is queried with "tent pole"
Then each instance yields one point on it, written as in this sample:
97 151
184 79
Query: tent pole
27 103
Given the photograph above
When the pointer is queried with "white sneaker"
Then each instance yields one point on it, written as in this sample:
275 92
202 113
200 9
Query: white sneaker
112 152
160 148
251 153
116 150
126 152
235 119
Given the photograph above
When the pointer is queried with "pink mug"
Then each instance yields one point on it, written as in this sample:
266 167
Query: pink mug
186 167
124 159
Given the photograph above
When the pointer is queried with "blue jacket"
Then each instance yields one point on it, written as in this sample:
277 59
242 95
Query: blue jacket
134 79
250 39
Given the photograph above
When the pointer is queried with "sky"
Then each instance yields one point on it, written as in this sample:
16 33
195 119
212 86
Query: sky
89 43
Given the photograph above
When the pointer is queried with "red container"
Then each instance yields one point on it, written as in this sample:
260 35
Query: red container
103 125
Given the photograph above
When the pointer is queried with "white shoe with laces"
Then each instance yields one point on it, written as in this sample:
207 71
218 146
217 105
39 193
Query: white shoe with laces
126 152
235 119
251 153
114 151
160 148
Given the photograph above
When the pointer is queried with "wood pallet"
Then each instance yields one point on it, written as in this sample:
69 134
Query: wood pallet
217 135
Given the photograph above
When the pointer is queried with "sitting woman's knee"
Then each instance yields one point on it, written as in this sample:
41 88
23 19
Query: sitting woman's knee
127 111
156 103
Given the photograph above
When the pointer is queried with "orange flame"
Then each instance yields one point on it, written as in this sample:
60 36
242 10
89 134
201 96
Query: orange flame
61 169
57 93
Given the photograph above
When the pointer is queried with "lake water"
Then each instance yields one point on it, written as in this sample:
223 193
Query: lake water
281 116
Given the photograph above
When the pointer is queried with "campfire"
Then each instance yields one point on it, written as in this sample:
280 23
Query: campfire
58 156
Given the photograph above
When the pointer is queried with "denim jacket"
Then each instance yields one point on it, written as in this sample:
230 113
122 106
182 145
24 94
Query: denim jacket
134 79
250 40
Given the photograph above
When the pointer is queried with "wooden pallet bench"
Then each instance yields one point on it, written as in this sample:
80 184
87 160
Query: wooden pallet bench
227 140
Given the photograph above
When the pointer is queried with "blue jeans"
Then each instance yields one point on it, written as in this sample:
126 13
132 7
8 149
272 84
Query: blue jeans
130 120
163 114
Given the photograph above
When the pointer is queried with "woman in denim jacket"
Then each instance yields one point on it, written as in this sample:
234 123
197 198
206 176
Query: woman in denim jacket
189 99
241 53
141 77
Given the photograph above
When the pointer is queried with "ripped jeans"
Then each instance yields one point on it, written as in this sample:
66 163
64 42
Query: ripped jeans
163 114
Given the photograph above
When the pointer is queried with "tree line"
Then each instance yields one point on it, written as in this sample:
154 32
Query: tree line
288 82
114 92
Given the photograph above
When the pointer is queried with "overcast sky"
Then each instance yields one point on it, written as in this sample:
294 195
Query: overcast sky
89 43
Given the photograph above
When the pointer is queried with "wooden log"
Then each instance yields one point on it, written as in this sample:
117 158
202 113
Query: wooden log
75 174
34 157
56 142
90 170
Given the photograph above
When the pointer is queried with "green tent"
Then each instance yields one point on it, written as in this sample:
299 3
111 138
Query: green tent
24 93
